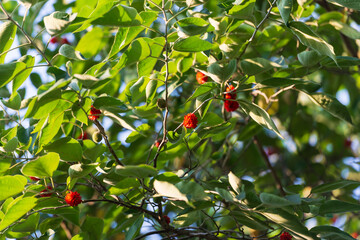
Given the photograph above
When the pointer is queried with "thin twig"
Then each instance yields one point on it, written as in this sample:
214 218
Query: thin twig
257 28
267 161
27 36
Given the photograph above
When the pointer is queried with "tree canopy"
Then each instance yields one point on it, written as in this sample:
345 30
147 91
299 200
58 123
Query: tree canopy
179 119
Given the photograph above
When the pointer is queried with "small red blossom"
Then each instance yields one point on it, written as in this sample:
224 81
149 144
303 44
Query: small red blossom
355 235
348 143
54 40
231 106
46 192
34 178
190 121
167 219
271 151
65 41
157 143
94 113
231 94
285 236
201 78
83 136
73 198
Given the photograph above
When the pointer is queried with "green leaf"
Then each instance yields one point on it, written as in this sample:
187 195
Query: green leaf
285 9
271 200
234 182
9 71
50 223
138 171
69 52
330 232
124 36
255 66
11 145
93 226
309 38
309 58
81 236
135 228
194 26
259 115
119 16
185 64
20 78
212 131
81 170
90 44
345 29
14 102
51 128
192 44
335 206
309 86
19 207
42 167
354 4
7 36
169 190
68 148
202 89
331 105
244 10
57 22
123 121
220 73
328 187
290 222
110 104
28 225
11 185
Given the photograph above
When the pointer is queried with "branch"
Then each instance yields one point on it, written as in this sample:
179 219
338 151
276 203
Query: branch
273 172
27 36
102 131
257 28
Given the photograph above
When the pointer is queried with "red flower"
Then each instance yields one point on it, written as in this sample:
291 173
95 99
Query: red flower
46 192
232 94
347 143
157 143
83 136
231 106
73 198
54 40
190 121
167 219
65 41
34 178
355 235
201 78
285 236
94 113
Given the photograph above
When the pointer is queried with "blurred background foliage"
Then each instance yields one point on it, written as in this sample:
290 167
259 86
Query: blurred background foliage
233 176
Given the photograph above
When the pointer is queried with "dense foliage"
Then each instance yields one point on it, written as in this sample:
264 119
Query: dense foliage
196 119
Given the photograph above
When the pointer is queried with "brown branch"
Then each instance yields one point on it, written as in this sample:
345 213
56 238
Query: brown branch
267 161
102 131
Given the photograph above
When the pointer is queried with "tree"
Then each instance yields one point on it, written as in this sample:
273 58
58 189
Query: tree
209 119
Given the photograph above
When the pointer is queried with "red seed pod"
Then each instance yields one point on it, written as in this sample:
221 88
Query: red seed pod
46 192
94 113
54 40
34 178
167 219
201 78
190 121
231 106
73 198
65 41
285 236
